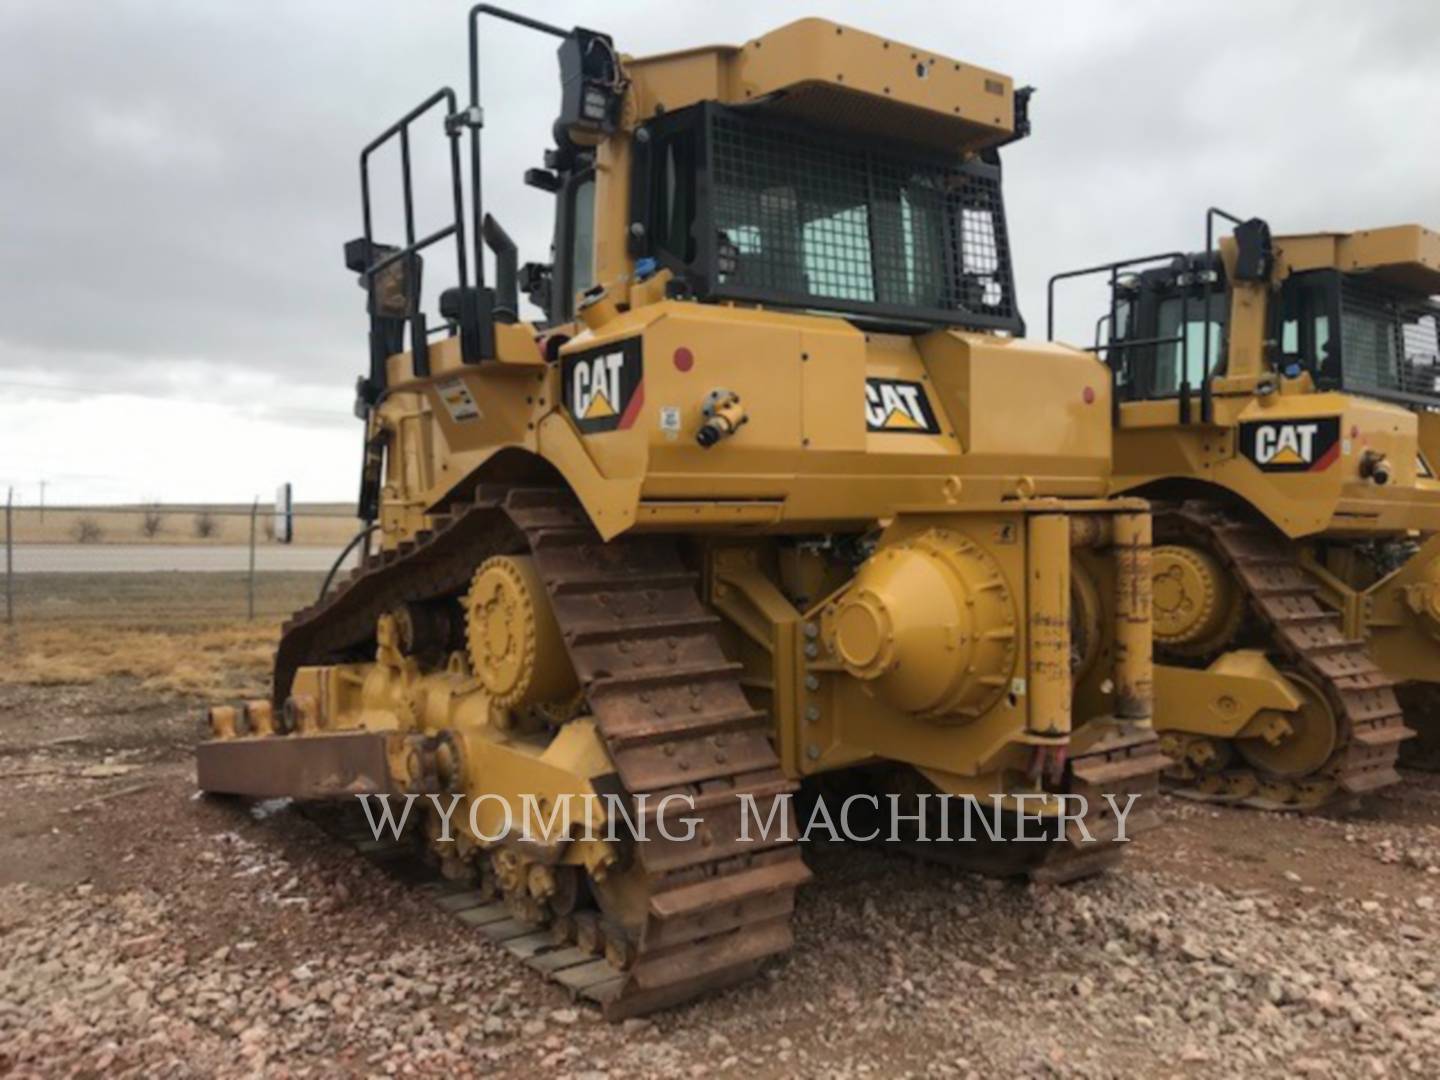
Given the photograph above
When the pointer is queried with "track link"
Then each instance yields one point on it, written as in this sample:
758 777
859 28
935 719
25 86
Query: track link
1285 601
670 709
1124 761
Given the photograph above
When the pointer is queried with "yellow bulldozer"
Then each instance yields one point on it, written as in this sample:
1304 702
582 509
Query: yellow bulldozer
1278 400
771 493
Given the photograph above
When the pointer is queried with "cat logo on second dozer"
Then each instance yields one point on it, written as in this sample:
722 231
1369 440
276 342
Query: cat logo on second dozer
1310 445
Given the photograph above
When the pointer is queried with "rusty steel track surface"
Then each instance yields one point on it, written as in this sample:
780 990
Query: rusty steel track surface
674 718
1284 599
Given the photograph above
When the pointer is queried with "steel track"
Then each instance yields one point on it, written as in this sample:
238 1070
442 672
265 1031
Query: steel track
1285 602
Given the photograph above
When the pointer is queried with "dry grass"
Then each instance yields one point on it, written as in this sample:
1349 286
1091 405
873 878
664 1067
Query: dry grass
159 600
227 660
316 525
175 633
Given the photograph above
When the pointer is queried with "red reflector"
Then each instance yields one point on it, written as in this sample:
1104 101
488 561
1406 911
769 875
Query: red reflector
684 359
1089 395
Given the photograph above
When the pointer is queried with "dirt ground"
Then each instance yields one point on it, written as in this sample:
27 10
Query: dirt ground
148 931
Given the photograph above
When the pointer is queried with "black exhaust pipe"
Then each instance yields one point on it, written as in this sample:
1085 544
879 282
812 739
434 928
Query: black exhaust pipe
507 260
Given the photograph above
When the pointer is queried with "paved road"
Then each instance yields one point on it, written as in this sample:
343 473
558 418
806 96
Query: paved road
141 558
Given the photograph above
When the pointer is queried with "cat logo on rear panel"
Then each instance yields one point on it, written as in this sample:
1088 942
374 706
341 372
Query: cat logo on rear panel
604 388
898 407
1292 445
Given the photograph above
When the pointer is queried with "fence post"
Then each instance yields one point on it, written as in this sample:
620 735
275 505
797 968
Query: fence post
254 512
10 558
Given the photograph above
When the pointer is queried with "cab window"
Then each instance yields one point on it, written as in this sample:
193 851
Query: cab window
582 249
1193 333
574 246
673 215
1306 323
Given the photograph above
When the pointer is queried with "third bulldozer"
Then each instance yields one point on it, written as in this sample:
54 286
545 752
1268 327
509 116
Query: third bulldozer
1276 398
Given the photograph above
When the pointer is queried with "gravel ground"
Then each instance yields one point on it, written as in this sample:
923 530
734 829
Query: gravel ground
146 931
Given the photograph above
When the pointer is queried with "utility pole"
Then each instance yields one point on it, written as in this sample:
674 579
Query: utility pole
10 557
42 499
254 512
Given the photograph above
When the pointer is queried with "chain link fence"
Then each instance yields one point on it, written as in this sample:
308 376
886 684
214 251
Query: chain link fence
160 564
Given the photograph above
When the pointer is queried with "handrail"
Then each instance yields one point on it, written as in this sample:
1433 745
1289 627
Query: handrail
1121 264
478 117
1207 397
419 343
1113 269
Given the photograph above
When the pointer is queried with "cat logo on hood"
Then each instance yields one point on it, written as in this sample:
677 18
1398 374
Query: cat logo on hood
898 406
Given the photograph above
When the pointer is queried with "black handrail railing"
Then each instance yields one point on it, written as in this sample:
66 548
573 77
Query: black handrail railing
1207 396
1182 339
419 338
476 119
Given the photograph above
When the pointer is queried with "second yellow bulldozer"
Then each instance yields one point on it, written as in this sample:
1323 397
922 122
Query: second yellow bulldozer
772 492
1278 399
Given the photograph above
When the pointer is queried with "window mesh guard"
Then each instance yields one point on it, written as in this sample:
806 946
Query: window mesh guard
820 224
1390 349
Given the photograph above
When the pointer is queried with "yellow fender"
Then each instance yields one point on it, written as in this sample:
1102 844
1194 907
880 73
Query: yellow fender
1224 699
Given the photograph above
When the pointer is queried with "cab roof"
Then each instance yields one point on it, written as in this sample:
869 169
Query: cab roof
1407 256
837 78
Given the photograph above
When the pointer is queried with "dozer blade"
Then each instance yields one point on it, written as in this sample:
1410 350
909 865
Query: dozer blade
301 767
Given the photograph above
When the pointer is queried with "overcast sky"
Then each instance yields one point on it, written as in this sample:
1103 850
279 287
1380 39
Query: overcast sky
178 178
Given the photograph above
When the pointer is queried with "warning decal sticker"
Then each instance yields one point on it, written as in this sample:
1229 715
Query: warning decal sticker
459 402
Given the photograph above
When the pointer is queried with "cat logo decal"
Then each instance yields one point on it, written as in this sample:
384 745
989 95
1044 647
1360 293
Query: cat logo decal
898 406
1287 446
604 388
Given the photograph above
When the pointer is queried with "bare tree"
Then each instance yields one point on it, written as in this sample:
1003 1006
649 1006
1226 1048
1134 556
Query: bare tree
206 525
152 521
87 530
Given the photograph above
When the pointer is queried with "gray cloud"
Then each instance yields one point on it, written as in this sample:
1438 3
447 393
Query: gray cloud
179 177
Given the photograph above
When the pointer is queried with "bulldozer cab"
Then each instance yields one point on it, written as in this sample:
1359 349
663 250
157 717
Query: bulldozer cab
755 175
1349 313
743 175
1169 328
1359 334
748 204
